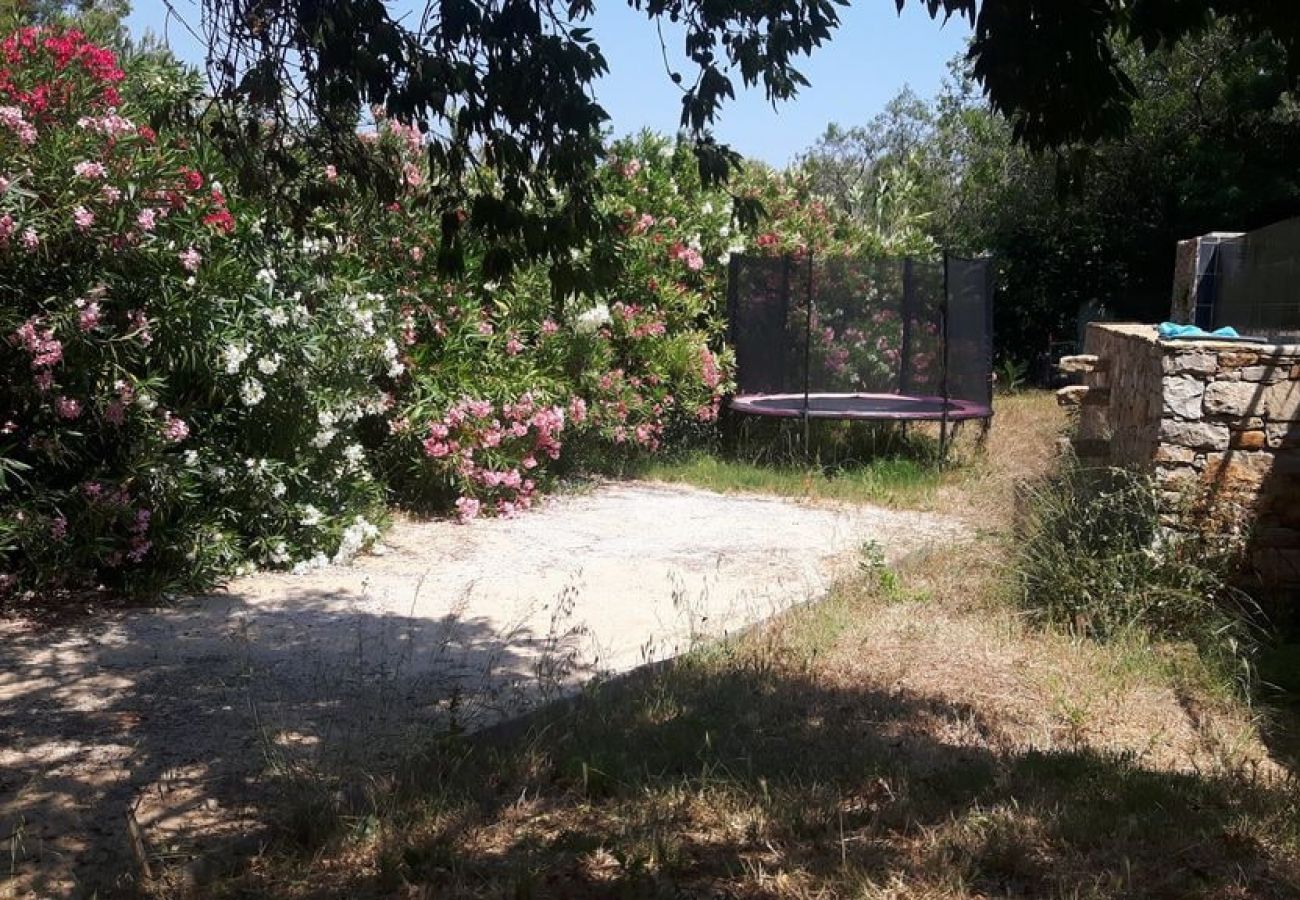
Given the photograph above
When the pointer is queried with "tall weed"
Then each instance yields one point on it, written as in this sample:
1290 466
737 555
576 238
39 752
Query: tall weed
1094 557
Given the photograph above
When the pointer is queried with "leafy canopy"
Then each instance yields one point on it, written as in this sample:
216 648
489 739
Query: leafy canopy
503 88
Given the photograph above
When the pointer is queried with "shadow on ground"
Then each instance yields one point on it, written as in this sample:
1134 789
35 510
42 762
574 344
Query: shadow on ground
181 730
758 782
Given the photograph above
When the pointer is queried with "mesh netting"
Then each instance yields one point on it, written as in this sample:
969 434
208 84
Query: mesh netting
859 327
1256 278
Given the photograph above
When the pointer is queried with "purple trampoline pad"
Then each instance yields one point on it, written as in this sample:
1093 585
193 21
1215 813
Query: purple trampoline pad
882 407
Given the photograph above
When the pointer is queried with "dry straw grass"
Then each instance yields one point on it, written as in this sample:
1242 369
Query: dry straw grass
909 737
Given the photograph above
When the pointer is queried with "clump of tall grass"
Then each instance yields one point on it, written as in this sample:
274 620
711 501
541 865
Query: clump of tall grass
1095 558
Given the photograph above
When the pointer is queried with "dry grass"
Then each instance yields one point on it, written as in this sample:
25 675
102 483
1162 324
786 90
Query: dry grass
909 737
888 468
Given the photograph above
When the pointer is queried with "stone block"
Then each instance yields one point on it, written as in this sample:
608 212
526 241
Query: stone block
1237 359
1282 401
1182 397
1082 364
1234 398
1265 373
1237 470
1083 395
1249 440
1249 423
1283 434
1198 435
1168 453
1175 477
1194 363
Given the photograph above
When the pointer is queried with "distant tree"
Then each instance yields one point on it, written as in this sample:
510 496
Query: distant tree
1060 70
1213 143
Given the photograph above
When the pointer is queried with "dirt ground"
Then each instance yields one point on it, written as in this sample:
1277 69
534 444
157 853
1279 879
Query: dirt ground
165 723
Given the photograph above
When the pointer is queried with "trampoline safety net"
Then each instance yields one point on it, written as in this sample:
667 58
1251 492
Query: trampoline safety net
843 337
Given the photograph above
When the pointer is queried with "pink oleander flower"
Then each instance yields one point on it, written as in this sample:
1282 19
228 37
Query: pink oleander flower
467 508
115 412
59 527
91 171
83 218
4 185
140 324
110 194
147 219
111 125
11 117
578 410
190 259
549 326
31 240
417 253
436 449
709 369
514 347
68 408
7 227
89 317
174 430
485 328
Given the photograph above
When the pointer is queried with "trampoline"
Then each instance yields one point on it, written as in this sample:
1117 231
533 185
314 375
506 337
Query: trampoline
884 407
891 340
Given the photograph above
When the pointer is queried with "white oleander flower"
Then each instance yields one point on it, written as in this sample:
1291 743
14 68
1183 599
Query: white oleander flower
251 392
233 357
593 319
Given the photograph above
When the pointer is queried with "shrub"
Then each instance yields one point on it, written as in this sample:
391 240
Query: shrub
1094 558
174 405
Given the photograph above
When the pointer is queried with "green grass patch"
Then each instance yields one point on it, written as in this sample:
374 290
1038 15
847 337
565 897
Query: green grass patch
890 481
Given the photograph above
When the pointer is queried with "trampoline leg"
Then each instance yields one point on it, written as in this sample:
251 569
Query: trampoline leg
985 425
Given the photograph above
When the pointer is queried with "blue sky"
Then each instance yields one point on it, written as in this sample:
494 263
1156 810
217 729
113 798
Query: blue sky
873 55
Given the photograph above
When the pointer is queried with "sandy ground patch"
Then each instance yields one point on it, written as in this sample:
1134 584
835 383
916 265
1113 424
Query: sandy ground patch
172 717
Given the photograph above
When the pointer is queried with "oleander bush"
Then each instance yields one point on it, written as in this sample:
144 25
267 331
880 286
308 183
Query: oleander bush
195 384
179 397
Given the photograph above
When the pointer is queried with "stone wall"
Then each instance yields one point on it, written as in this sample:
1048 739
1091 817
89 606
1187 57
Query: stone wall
1215 421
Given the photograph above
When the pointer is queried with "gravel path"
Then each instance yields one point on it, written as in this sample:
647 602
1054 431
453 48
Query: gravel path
171 718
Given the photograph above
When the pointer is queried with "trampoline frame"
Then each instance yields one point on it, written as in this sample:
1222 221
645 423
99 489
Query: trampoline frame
800 405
